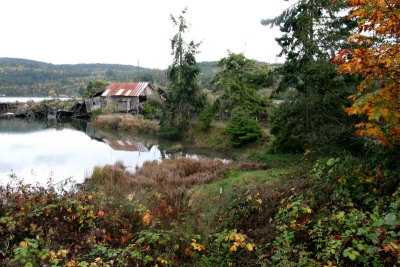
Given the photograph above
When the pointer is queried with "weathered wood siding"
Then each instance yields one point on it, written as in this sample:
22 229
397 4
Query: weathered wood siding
123 103
93 103
147 91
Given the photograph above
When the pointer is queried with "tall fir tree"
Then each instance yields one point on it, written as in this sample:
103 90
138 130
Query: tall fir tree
184 99
313 116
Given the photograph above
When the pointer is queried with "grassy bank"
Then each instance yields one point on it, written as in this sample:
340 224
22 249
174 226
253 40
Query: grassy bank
219 139
126 122
215 138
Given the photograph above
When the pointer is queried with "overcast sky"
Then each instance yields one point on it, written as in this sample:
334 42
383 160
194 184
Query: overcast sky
125 31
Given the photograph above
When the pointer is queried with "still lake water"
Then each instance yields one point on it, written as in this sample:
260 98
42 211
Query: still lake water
24 99
42 149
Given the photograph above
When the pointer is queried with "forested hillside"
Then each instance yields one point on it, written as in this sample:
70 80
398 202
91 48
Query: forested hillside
22 77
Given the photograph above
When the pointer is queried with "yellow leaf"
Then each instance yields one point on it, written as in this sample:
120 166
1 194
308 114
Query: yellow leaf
250 247
24 243
369 179
233 248
394 245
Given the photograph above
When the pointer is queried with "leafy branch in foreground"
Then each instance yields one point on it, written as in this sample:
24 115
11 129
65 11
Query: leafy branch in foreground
378 61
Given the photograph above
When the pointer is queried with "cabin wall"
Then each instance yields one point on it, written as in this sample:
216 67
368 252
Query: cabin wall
123 103
93 103
135 104
147 91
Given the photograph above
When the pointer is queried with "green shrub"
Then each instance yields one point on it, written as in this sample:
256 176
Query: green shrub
205 118
151 109
348 217
95 113
243 130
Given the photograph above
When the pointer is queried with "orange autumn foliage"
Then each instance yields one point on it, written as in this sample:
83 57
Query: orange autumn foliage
101 213
146 218
378 61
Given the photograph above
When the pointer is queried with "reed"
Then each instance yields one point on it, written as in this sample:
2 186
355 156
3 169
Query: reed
127 122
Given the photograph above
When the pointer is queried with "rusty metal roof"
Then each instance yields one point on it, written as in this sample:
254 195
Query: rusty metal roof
126 145
125 89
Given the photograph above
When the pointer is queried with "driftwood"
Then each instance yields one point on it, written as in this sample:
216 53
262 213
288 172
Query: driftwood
43 110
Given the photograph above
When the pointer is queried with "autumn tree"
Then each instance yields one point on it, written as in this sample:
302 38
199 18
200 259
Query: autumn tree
377 59
53 92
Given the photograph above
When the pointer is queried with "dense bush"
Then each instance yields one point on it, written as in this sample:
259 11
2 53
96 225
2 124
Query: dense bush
151 109
243 130
349 217
95 113
205 118
41 226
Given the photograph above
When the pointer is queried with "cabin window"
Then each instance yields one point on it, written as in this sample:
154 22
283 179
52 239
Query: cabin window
142 98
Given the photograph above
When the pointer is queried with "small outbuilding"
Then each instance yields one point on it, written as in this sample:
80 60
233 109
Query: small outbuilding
124 96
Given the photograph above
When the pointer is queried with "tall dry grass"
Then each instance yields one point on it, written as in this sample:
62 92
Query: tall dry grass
126 122
163 186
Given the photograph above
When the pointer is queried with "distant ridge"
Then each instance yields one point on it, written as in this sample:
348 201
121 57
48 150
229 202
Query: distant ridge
25 77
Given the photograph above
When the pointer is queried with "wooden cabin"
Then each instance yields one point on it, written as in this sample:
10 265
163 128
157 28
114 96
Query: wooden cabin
124 96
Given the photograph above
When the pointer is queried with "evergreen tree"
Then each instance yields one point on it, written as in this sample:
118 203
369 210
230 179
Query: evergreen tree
238 83
313 116
184 99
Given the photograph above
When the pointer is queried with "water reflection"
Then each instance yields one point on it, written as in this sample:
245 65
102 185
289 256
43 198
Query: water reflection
39 150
